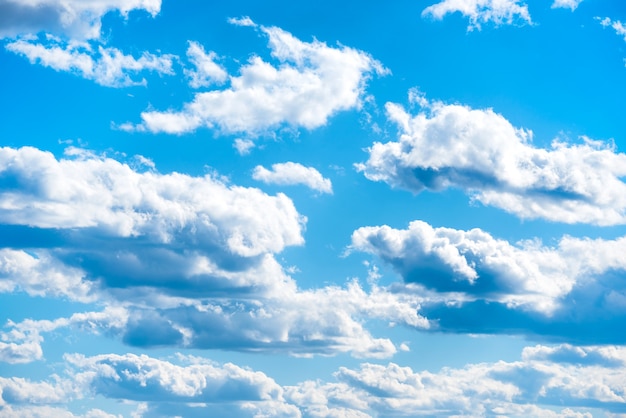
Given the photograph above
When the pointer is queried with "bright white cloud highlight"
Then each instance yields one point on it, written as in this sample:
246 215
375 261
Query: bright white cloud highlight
499 12
545 376
528 275
290 173
566 4
76 18
311 83
84 190
107 67
207 71
480 152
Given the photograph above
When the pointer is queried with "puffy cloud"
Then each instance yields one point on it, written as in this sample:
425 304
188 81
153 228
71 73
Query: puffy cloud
480 152
83 190
311 83
521 388
107 67
290 173
566 4
500 12
207 70
191 259
532 386
75 18
482 284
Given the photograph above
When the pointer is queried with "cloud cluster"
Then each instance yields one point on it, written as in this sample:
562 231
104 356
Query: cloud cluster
546 377
290 173
107 67
480 152
618 26
311 82
482 284
77 19
499 12
191 257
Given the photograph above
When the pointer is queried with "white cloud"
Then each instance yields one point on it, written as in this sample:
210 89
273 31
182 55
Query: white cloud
207 71
87 191
561 291
500 12
243 146
566 4
618 26
531 386
311 83
76 18
39 274
242 21
290 173
107 67
188 256
480 152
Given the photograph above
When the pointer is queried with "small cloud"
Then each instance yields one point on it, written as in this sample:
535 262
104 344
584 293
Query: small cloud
290 173
566 4
498 12
242 21
243 146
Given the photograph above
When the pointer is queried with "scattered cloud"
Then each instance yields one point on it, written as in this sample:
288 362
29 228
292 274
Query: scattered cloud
533 386
480 152
498 12
108 66
207 71
566 4
77 19
242 21
619 27
481 284
290 173
311 83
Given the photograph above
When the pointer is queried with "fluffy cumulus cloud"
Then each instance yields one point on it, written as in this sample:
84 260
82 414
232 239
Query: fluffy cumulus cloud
544 379
480 152
530 387
191 257
290 173
566 4
309 84
207 71
498 12
74 18
106 66
575 290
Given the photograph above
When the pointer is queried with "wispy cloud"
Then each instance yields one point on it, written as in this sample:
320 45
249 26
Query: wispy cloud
107 66
498 12
290 173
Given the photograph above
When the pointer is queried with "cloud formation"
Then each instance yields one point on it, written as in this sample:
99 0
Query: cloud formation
290 173
544 378
311 82
480 152
77 19
108 66
207 71
191 257
566 4
498 12
482 284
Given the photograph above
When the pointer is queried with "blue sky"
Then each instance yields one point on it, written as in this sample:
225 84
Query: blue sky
279 209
